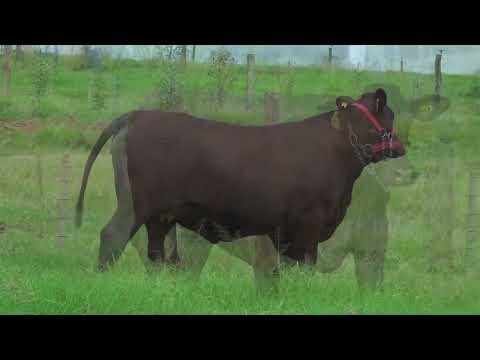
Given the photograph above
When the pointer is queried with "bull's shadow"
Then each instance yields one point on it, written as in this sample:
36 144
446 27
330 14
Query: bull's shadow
364 231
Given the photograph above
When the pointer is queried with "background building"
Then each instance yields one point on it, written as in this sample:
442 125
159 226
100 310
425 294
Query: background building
418 58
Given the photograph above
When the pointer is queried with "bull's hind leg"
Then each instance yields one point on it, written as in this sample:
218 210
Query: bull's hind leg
121 227
194 251
140 243
114 238
157 229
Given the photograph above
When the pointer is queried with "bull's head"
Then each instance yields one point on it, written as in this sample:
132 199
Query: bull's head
368 123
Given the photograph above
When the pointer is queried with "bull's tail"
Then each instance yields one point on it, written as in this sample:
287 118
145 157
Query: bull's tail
115 126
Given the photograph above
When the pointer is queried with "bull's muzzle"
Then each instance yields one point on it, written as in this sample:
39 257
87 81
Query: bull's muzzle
390 146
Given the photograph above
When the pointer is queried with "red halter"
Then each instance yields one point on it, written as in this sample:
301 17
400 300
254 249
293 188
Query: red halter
387 142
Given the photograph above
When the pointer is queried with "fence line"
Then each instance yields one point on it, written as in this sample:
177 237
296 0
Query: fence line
250 80
63 201
473 217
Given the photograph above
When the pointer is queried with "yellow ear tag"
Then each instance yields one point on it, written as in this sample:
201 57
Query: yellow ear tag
335 121
344 105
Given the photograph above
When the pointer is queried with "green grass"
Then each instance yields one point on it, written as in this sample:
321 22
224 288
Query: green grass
38 277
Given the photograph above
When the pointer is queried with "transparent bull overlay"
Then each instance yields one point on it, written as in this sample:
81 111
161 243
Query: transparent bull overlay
408 217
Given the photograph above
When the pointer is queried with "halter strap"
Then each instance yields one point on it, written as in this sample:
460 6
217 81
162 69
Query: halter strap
385 143
369 115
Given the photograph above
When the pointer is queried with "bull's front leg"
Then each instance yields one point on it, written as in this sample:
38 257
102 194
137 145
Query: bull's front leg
157 229
311 237
265 264
171 248
308 235
369 269
311 254
369 250
332 253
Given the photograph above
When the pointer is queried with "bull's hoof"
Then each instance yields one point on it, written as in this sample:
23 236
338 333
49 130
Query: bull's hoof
267 285
266 289
154 267
101 268
366 290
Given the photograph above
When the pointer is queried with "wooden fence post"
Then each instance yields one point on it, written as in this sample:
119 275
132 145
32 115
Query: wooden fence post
40 179
330 56
63 200
473 219
19 55
42 202
194 48
401 64
250 80
272 108
184 56
438 73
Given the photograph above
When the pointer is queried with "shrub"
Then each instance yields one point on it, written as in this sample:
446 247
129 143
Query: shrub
6 107
290 80
474 89
98 90
41 76
171 84
75 62
60 136
221 74
44 108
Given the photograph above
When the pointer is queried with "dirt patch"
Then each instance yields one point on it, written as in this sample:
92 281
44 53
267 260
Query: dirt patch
34 125
99 126
27 126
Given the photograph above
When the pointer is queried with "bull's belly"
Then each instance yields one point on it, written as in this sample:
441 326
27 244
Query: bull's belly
219 227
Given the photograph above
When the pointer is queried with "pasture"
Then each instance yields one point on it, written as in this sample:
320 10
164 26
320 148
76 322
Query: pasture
39 276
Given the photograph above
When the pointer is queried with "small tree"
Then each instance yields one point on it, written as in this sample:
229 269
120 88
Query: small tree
7 69
41 77
19 54
221 74
98 90
171 83
183 57
289 80
194 48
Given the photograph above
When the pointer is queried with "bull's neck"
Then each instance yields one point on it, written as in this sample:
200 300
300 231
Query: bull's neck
342 142
355 161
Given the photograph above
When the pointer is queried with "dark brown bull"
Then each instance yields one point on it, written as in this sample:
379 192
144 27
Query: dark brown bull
294 179
364 231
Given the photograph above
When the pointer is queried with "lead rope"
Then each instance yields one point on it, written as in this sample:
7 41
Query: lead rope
354 142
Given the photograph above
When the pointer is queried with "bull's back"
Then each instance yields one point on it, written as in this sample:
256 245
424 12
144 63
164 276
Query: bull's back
175 159
186 160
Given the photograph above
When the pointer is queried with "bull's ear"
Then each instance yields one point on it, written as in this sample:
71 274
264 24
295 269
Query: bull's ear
343 102
380 100
336 121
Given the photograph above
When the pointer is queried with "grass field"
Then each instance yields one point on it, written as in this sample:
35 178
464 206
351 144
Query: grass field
39 277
